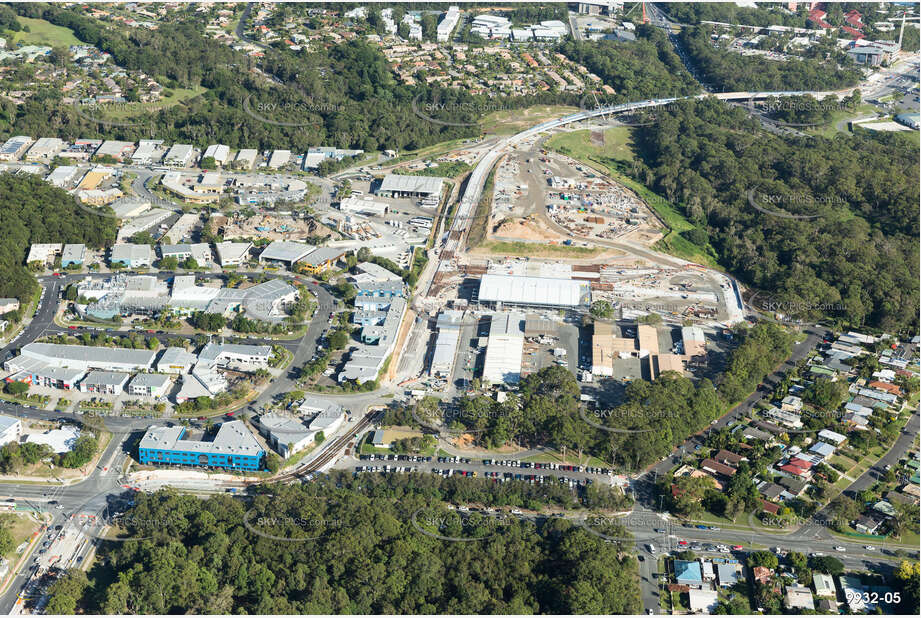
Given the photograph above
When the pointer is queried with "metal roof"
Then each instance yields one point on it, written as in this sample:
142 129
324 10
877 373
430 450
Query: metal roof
105 378
233 438
153 380
95 356
534 291
286 251
411 184
322 255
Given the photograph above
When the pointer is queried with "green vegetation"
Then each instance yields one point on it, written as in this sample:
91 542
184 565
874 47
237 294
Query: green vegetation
40 32
505 247
733 72
451 169
618 144
853 259
602 309
656 416
480 224
205 556
33 211
641 69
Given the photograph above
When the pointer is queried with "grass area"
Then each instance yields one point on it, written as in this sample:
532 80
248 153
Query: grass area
21 528
618 144
126 111
508 122
677 604
42 33
571 459
529 249
480 224
707 517
830 128
433 151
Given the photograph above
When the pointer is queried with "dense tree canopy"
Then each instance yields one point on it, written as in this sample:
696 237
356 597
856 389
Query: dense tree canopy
33 211
355 551
828 226
636 70
732 72
655 418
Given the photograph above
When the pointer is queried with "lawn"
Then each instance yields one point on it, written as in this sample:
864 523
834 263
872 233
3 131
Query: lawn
507 122
131 110
42 33
21 528
618 144
537 249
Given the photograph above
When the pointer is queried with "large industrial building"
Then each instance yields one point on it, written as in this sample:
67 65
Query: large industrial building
608 349
132 255
285 252
449 329
526 291
82 357
398 185
504 348
380 307
234 447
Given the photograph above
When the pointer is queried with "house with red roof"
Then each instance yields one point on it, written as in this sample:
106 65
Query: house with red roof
853 18
857 34
762 574
817 17
789 468
770 507
886 386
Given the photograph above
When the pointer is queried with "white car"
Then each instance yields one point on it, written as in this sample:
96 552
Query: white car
463 509
869 548
840 548
516 512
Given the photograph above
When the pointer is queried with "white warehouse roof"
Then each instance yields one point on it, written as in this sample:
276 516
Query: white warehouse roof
534 291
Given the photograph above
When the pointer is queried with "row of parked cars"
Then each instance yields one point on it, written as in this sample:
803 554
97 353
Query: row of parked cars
373 457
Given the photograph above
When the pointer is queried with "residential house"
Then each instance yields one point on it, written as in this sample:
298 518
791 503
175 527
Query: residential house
798 597
762 575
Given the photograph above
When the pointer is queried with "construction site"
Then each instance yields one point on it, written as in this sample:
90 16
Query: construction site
543 196
275 227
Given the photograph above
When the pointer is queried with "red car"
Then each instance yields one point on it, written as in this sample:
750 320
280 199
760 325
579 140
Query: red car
682 543
72 327
737 548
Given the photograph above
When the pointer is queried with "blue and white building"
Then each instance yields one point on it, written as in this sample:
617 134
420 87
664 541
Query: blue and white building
234 447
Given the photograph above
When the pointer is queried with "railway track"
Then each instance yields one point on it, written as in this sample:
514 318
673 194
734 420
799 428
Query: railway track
325 457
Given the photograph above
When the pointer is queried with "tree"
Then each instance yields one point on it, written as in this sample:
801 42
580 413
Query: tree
7 543
272 463
208 163
338 339
16 388
602 309
168 263
826 564
762 558
65 593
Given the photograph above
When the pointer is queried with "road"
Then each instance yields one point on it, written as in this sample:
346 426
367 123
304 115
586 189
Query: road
644 485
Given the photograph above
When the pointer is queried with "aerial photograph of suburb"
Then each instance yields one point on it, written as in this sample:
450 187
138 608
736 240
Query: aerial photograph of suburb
460 308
